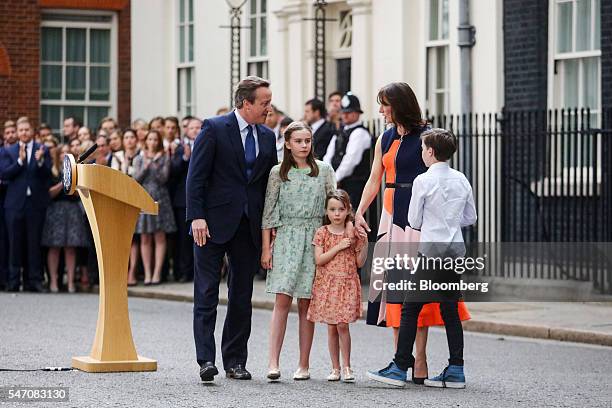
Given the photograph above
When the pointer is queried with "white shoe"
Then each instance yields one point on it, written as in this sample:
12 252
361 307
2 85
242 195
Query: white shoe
347 375
301 374
334 375
274 374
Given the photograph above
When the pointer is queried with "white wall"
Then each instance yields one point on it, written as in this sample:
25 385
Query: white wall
212 55
151 64
396 53
487 56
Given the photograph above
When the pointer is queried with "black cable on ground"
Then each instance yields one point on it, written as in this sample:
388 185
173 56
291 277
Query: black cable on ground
39 369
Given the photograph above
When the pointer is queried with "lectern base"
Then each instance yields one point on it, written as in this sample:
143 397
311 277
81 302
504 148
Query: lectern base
91 365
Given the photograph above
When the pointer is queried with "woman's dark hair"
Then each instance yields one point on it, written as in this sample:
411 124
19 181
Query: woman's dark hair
288 162
344 198
405 109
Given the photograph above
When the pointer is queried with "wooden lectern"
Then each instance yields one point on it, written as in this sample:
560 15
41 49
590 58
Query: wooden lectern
112 201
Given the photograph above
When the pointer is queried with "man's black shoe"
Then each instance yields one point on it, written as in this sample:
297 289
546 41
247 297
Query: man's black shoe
208 371
238 372
37 288
13 289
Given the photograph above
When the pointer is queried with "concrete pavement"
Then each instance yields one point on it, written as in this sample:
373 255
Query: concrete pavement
47 330
578 322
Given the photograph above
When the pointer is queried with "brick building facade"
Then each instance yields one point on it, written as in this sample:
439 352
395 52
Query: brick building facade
21 24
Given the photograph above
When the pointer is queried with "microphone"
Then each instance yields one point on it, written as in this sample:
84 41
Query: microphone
87 153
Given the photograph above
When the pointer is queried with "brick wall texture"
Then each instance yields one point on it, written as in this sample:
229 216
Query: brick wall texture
20 40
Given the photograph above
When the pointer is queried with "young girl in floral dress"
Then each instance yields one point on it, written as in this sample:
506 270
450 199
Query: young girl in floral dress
336 293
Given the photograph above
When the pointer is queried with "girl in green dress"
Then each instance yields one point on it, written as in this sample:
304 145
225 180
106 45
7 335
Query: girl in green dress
293 210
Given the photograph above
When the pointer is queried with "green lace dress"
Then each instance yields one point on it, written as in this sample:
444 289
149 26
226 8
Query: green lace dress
296 209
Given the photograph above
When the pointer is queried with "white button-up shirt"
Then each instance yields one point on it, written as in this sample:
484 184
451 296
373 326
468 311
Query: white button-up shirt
359 142
315 126
243 125
442 202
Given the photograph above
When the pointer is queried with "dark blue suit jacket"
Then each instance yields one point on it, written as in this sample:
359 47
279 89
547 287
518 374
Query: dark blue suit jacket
217 185
29 174
178 177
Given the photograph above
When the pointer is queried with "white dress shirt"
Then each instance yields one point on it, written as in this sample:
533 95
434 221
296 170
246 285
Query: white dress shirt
29 147
442 202
280 143
243 125
359 142
315 126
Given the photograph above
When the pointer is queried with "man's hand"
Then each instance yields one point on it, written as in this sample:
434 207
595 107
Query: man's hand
186 151
361 226
39 153
22 152
199 230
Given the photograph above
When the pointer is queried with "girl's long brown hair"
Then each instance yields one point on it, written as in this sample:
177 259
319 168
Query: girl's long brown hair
288 162
344 198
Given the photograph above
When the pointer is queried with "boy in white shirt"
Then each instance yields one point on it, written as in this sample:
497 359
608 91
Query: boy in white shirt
441 203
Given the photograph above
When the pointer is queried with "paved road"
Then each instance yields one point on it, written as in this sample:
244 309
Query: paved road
47 330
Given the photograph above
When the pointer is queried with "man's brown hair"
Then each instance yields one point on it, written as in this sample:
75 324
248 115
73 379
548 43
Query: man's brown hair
246 90
442 141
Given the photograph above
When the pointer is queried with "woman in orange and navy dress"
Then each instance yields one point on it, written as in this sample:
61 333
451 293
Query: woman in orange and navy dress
397 157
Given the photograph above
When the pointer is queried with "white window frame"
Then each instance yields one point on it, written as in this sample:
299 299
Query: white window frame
258 58
560 171
556 96
345 30
431 71
185 107
113 27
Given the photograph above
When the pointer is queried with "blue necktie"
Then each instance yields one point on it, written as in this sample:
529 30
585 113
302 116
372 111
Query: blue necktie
250 153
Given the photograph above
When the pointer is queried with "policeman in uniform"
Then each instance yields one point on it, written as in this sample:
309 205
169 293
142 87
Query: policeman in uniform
348 151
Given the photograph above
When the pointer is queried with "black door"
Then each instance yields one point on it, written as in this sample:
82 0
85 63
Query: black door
343 79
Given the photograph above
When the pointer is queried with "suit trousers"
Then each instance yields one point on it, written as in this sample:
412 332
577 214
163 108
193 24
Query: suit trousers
183 247
244 258
4 245
24 228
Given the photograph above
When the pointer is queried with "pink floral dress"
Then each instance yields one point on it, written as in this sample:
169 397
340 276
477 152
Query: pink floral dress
336 291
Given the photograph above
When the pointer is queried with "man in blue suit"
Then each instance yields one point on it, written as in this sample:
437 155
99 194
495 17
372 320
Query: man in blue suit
27 169
226 184
183 250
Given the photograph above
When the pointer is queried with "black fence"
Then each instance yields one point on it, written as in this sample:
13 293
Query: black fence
537 176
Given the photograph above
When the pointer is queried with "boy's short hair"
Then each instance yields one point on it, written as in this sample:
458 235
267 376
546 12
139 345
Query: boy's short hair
442 141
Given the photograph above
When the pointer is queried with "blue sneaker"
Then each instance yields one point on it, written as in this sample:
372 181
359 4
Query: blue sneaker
391 374
451 377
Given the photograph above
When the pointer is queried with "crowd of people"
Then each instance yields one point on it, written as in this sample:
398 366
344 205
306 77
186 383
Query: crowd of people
45 239
256 191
